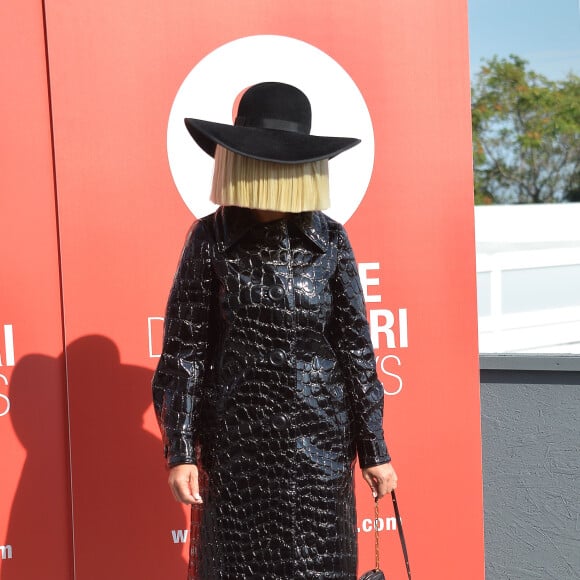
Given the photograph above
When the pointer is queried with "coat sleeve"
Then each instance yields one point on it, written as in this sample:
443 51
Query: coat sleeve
178 380
349 335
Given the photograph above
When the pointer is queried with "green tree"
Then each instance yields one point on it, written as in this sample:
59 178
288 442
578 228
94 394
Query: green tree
526 134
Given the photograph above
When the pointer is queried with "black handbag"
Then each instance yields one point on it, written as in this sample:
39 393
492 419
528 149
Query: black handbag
376 573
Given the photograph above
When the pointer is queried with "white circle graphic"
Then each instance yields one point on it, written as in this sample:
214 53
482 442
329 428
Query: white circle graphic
210 89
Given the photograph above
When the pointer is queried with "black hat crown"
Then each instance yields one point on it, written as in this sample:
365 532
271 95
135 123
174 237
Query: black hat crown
275 106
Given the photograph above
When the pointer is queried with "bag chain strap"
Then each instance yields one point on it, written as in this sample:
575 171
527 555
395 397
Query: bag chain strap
377 533
399 528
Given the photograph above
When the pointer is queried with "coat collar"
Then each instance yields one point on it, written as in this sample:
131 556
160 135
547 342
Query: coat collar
232 223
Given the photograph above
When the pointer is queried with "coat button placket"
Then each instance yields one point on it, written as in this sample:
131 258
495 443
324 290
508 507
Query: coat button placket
292 378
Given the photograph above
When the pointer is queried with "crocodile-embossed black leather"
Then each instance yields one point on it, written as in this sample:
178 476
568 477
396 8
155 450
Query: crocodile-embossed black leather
268 380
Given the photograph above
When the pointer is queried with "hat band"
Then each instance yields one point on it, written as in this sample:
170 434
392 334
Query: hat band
266 123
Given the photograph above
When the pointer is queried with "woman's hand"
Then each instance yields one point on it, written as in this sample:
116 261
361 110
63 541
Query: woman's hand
184 484
382 478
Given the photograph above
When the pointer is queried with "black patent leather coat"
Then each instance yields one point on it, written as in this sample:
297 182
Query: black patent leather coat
267 377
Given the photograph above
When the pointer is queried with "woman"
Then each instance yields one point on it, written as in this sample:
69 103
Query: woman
267 381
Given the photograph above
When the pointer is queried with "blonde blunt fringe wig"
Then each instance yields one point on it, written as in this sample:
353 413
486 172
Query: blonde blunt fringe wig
248 182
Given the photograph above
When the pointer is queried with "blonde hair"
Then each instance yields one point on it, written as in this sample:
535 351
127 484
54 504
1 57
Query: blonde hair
247 182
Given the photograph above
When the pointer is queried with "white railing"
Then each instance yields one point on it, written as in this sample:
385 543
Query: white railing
554 329
543 238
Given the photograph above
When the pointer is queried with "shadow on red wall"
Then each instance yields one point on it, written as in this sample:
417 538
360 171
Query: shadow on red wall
126 522
39 533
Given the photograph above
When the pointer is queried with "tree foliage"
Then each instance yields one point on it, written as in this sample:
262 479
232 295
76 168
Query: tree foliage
526 134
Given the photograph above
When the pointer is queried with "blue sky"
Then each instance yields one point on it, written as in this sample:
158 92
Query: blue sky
544 32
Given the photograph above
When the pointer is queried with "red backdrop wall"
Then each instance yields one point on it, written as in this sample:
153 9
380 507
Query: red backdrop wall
35 514
118 227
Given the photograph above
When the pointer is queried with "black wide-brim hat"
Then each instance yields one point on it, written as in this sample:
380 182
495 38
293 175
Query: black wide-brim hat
273 124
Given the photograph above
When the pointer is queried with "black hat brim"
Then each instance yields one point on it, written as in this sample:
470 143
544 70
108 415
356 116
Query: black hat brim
267 144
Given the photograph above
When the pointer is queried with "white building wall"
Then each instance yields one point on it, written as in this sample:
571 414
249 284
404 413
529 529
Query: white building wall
528 272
